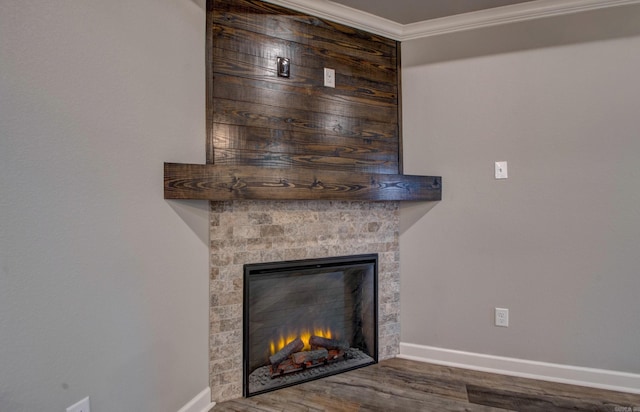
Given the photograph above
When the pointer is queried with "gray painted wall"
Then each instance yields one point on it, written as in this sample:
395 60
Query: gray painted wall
103 283
558 243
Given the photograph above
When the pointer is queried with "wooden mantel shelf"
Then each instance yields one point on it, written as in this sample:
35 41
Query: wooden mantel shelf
217 182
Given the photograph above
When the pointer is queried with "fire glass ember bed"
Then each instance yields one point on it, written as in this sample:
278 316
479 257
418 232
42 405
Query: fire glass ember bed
308 319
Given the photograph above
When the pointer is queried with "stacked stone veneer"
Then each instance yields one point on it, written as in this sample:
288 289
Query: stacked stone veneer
267 231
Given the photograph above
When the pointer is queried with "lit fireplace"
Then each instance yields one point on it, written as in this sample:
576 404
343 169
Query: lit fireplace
308 319
304 335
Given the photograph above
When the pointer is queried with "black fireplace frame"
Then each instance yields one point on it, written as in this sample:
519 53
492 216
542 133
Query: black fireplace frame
297 265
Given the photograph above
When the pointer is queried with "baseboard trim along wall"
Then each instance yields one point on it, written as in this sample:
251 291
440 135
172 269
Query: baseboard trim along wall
201 402
553 372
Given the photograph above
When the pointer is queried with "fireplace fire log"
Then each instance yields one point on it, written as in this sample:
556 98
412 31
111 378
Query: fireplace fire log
292 347
313 356
319 342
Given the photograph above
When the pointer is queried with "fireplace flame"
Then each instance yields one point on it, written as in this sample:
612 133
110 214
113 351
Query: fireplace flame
282 341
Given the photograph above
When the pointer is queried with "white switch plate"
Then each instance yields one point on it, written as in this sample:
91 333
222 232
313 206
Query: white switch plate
329 77
502 317
82 406
501 170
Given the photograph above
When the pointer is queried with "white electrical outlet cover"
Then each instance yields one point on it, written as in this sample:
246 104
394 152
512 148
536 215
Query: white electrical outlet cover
502 317
329 77
82 406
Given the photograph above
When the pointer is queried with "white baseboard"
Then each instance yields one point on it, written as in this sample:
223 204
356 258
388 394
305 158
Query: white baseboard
553 372
201 402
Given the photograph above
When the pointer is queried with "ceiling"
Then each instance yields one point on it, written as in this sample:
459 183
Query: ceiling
413 11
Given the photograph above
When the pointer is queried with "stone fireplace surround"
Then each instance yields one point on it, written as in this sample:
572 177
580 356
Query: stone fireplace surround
247 231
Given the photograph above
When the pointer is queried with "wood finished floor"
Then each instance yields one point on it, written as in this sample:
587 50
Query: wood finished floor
403 385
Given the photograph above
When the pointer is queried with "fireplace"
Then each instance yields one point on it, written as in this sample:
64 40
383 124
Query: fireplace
300 179
307 319
247 232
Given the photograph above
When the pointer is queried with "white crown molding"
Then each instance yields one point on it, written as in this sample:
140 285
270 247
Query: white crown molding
348 16
484 18
507 14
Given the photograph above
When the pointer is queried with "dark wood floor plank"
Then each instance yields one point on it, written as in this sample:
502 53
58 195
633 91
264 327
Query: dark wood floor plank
523 385
403 385
535 402
393 395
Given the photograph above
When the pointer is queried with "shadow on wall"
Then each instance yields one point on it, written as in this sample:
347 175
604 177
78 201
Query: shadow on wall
201 3
596 25
411 212
195 213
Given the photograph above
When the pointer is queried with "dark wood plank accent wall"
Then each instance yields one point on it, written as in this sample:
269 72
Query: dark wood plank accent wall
256 118
271 137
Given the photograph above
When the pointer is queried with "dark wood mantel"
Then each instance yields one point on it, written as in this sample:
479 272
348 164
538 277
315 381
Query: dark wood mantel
213 182
271 137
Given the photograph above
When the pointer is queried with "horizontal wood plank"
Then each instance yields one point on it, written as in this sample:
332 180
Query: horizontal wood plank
237 145
270 19
289 95
258 44
262 51
228 136
229 157
214 182
256 115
